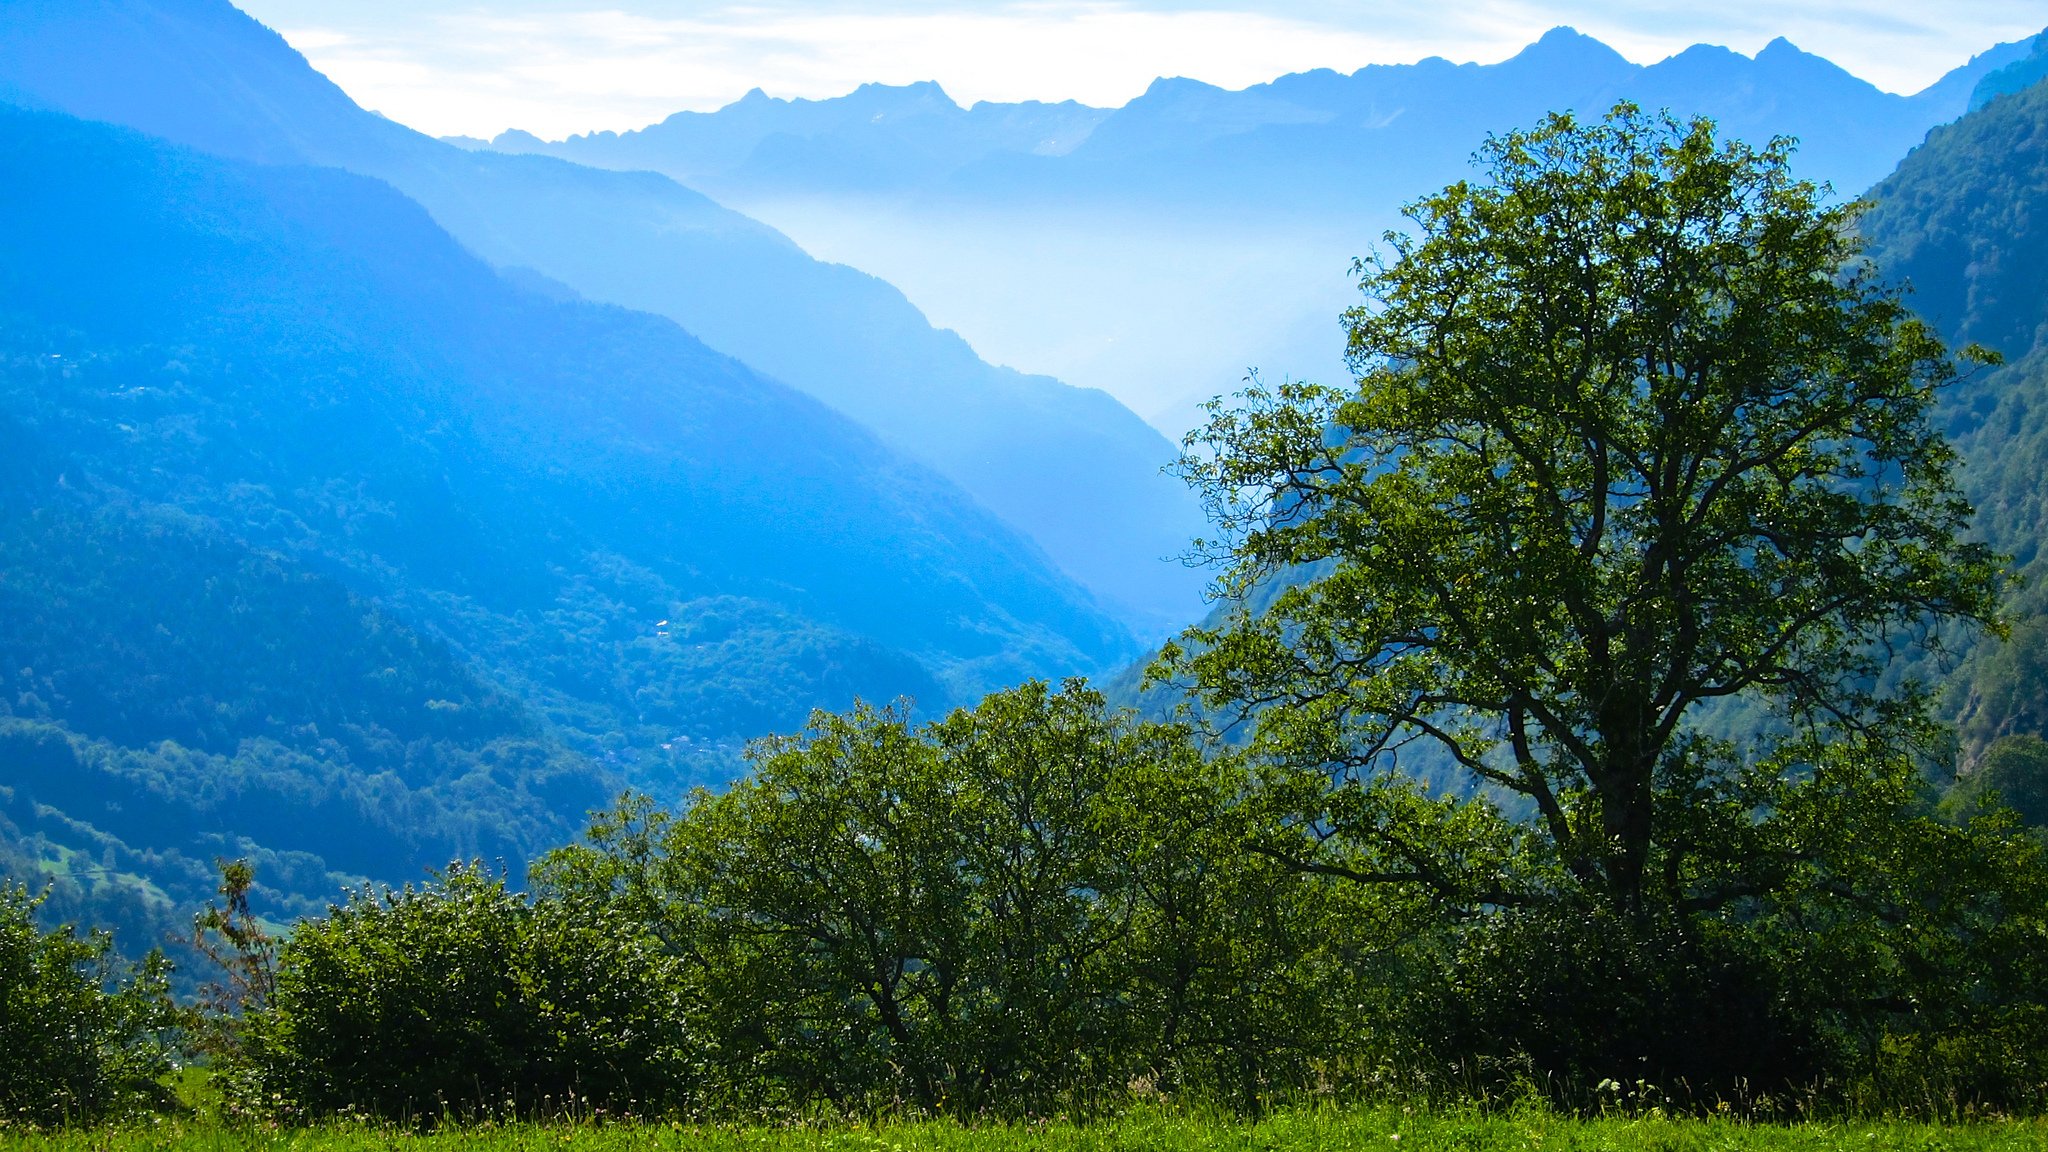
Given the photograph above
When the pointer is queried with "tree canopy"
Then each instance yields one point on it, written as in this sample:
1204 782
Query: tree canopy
1633 432
1026 904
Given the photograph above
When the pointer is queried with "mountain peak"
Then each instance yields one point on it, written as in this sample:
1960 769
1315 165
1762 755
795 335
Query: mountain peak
914 88
1176 86
918 94
517 140
1801 67
1566 47
2017 76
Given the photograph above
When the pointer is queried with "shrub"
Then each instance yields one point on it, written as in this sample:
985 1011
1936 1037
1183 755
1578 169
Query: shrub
462 997
78 1042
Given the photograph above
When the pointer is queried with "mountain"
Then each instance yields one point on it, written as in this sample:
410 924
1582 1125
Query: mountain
1302 141
878 137
1964 223
2017 76
323 543
1158 249
1959 221
1070 467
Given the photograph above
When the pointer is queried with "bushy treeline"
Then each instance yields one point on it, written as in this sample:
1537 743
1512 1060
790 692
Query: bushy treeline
1043 904
1048 905
1030 905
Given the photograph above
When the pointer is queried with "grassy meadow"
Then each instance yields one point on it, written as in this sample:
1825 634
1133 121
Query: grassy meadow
1313 1130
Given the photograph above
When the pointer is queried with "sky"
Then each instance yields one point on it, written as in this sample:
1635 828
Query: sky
554 67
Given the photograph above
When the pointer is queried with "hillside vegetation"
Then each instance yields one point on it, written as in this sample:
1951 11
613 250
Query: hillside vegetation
1961 222
324 543
1518 548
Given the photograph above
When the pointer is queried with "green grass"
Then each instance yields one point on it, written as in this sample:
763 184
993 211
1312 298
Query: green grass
1312 1130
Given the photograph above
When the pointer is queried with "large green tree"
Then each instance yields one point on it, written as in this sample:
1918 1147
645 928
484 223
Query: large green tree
1634 438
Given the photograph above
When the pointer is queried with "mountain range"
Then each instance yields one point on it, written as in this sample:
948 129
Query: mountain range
1160 249
1070 467
1319 141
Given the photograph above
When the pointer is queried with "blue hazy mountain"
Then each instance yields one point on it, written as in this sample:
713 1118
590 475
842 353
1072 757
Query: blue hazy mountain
1159 249
1322 140
879 137
2015 77
1312 140
1070 467
322 542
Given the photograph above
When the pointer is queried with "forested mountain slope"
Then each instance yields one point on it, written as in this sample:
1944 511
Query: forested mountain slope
1070 467
323 543
1964 222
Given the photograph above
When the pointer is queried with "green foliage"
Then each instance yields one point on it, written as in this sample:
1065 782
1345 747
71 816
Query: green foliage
1880 958
1019 906
243 955
1961 222
2001 688
2012 773
1571 759
78 1042
461 997
1632 435
1635 446
1041 906
1622 443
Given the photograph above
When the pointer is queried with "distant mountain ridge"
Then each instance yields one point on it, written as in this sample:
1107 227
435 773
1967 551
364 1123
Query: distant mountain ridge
1196 231
879 135
1320 127
1070 467
2014 77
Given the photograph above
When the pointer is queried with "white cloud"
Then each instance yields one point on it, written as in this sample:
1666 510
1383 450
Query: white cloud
560 66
